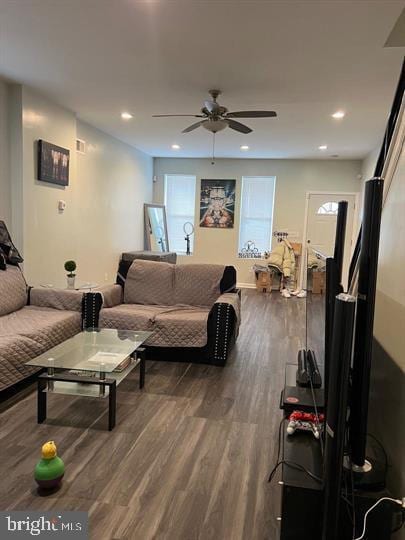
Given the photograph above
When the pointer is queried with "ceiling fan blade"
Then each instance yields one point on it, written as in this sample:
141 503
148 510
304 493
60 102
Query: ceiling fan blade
166 115
252 114
193 126
237 126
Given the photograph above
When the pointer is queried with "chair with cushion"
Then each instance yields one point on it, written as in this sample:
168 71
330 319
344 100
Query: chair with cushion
192 309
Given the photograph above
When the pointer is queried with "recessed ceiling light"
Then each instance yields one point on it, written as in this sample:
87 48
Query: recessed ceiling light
126 116
175 147
244 147
338 114
323 147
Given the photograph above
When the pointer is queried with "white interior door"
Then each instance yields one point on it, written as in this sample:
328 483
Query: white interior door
321 225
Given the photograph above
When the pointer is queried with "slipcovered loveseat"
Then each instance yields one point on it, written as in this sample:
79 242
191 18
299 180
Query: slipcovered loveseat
31 322
192 309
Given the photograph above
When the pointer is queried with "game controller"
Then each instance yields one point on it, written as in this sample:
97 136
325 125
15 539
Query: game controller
302 421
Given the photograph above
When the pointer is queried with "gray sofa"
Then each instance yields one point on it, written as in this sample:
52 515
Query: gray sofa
192 309
31 322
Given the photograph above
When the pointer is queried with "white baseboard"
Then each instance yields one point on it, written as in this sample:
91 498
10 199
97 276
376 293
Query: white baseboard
246 285
253 286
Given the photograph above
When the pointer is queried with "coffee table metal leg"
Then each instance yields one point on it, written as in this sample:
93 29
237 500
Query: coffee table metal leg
142 366
112 405
41 398
102 378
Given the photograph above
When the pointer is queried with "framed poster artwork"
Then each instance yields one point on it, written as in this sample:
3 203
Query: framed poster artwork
217 204
53 163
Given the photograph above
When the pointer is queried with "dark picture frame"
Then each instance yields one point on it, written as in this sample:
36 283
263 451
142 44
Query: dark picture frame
53 163
217 204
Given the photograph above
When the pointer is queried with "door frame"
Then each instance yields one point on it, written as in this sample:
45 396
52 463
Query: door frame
356 195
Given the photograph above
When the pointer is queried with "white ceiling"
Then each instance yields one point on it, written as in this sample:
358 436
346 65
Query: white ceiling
303 58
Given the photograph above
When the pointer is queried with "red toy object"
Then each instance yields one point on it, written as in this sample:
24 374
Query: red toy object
302 421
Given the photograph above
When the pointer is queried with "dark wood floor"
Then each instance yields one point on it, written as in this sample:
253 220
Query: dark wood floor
190 454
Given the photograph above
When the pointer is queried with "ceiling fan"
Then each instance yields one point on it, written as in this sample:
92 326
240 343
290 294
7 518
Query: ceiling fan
216 117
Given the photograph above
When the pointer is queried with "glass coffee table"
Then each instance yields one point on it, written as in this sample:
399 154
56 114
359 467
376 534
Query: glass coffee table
92 363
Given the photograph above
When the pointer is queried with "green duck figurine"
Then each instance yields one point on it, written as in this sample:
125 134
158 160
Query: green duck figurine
50 469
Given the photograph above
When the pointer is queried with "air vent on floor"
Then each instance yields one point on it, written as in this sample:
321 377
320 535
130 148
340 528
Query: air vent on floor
80 146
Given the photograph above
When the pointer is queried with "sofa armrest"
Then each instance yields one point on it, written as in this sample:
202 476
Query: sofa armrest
105 296
233 299
223 327
112 295
62 299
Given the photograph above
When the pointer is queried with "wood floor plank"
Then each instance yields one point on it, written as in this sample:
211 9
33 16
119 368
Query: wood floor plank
190 454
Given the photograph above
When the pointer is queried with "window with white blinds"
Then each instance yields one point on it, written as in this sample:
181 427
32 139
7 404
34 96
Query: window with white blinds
180 209
256 214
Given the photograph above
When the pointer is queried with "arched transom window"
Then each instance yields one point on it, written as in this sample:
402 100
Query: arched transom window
328 208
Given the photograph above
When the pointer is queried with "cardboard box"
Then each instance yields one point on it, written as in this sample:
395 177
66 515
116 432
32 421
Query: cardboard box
297 247
264 282
318 282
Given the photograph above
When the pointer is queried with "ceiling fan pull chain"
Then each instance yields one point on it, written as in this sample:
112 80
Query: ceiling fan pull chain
213 149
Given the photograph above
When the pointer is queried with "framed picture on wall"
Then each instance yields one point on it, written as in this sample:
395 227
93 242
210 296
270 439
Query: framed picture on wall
53 163
217 204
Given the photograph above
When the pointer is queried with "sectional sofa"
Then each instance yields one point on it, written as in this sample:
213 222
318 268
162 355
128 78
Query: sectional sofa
31 322
192 309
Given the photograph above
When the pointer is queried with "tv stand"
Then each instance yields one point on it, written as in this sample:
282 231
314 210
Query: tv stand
302 500
302 496
301 517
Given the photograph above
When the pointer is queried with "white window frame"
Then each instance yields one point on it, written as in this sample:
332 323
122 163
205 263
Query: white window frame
181 252
274 178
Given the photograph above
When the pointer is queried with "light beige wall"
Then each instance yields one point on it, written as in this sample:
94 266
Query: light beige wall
15 140
293 179
367 172
390 301
387 403
114 180
49 237
5 188
369 163
104 199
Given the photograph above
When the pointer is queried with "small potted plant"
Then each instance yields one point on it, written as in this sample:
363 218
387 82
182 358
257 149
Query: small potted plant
70 267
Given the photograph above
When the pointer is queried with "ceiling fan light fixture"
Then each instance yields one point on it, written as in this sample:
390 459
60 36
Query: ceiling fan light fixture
215 125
